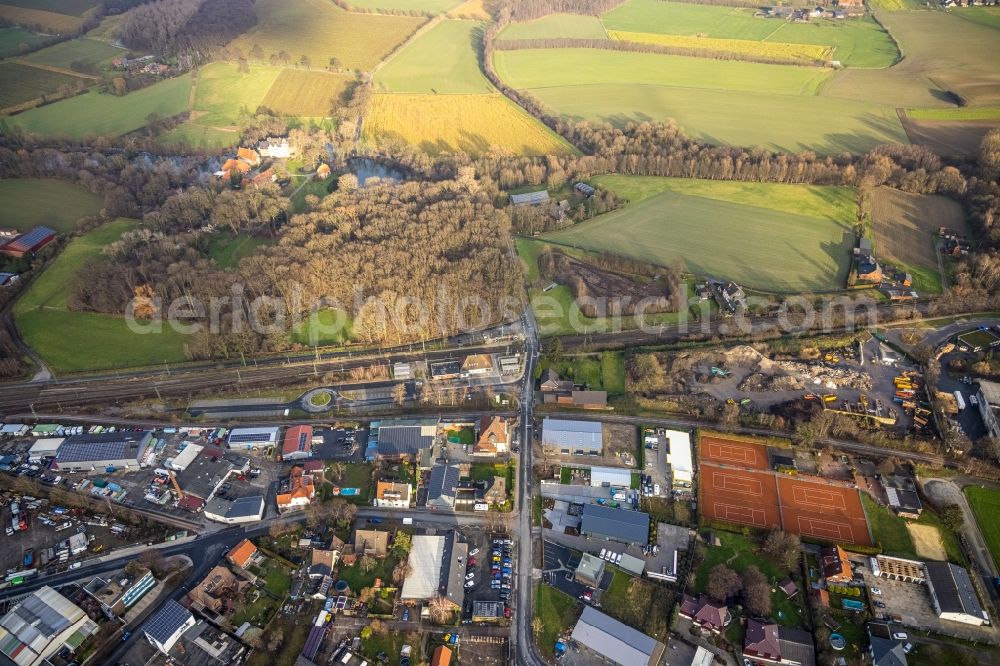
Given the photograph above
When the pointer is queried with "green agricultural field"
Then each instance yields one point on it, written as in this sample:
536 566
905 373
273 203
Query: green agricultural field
199 137
96 114
857 42
956 113
985 503
77 341
320 30
441 61
222 93
29 202
786 238
298 92
989 16
12 38
21 83
49 22
429 6
557 26
69 7
544 68
91 52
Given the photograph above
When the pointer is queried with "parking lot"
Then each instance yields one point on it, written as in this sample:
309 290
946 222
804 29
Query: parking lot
909 604
493 570
559 563
341 444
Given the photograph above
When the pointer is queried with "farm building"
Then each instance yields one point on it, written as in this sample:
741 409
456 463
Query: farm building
46 447
28 242
405 438
167 624
494 436
615 524
705 613
298 442
538 198
242 510
615 642
772 644
393 495
952 594
989 406
275 148
865 265
252 438
584 189
88 453
899 295
679 458
248 155
40 625
560 436
442 487
437 569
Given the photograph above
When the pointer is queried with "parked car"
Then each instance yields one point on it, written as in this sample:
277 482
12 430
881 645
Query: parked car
473 552
406 615
908 648
900 636
470 583
470 575
876 591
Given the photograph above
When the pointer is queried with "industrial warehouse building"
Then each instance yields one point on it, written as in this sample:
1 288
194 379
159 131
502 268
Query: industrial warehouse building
952 594
615 524
605 477
679 458
47 447
437 569
404 438
561 436
99 452
242 510
615 642
298 442
252 438
40 625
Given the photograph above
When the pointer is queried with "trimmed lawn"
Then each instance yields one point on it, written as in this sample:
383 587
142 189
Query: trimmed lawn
784 238
985 503
227 249
888 529
94 113
29 202
558 612
358 580
323 328
316 187
613 372
443 60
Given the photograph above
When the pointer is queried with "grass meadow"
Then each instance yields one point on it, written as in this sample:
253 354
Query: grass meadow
21 83
84 50
12 38
988 16
807 53
29 202
95 114
69 7
449 123
470 9
320 30
312 94
856 42
985 503
223 93
442 60
77 341
190 135
557 26
785 238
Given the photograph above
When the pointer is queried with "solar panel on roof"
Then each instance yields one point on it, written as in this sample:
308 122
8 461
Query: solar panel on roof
167 620
250 437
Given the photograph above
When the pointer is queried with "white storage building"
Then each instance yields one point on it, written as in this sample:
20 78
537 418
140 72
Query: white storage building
47 447
679 458
252 438
610 476
181 461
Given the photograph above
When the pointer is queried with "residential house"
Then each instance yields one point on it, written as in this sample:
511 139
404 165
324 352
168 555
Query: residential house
590 571
441 656
232 168
883 649
494 436
496 491
836 566
902 494
243 554
275 148
442 487
552 383
371 542
393 494
477 364
789 587
218 594
707 614
166 625
768 643
120 592
867 268
323 561
300 493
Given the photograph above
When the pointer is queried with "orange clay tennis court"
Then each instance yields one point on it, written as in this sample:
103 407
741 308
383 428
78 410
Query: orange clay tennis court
747 497
823 510
733 452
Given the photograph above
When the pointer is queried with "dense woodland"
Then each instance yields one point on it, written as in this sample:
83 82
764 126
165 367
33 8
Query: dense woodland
171 27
